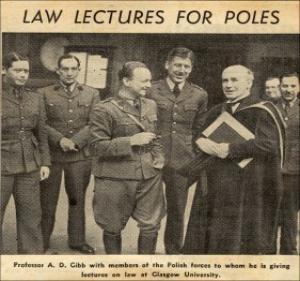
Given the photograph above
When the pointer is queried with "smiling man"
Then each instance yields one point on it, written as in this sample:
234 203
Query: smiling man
68 107
179 104
236 211
128 162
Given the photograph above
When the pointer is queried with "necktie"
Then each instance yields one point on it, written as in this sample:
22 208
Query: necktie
136 104
176 90
17 93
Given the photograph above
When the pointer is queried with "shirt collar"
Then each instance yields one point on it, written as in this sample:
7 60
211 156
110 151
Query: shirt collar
171 84
70 87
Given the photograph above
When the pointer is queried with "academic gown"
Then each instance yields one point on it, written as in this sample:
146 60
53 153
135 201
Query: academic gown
236 211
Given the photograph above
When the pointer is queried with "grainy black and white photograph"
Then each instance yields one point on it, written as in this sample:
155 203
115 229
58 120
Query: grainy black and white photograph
150 144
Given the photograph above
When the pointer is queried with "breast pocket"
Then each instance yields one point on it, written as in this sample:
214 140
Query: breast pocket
54 111
190 111
125 127
84 108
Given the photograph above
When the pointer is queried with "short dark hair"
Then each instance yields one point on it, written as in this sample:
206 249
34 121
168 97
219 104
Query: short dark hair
293 74
181 52
67 56
272 78
129 67
11 57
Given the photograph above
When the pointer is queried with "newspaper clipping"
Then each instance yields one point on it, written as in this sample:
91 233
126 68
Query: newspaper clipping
149 140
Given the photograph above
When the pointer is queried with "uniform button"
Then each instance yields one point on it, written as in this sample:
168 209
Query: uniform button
174 114
174 123
70 121
22 118
70 100
286 118
175 105
71 132
70 110
173 132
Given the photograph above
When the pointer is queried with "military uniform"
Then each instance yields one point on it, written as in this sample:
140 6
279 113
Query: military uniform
127 178
68 115
24 149
290 171
175 121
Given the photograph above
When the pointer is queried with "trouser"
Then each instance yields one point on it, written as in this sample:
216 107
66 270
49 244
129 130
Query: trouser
289 215
77 177
115 201
25 189
176 195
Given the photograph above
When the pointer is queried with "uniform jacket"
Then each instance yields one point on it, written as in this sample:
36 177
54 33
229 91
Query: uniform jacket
111 129
68 115
237 213
24 145
291 161
175 119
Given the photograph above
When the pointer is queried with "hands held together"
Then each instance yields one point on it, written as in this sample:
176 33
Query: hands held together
210 147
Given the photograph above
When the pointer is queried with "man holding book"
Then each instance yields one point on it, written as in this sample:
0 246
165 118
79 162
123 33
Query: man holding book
235 208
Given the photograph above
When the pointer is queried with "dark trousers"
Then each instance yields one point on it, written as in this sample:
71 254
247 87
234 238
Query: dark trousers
25 189
77 177
289 215
176 195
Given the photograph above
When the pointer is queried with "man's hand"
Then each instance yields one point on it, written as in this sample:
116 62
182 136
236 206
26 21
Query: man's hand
210 147
142 138
44 173
67 144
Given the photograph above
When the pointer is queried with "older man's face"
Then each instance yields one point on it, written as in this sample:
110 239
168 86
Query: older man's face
235 82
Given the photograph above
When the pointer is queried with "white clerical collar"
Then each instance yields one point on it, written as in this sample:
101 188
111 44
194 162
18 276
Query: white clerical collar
171 84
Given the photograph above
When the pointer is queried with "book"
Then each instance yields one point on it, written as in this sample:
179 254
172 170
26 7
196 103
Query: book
226 129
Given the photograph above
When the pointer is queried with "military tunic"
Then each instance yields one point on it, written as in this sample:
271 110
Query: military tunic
176 116
127 179
68 115
24 149
290 171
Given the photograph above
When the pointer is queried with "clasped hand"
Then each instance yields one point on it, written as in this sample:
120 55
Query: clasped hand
67 145
142 138
210 147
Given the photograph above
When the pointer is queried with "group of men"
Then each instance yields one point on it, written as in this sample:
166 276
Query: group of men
136 141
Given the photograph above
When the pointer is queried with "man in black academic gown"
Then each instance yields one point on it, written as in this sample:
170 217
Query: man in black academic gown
236 212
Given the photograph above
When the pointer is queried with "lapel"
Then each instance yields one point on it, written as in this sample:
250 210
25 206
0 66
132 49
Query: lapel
61 91
9 95
165 91
247 102
127 107
185 92
294 109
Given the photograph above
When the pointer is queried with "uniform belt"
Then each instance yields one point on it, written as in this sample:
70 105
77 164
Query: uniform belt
18 135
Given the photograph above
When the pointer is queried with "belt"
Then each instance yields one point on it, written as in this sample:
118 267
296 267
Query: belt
18 135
